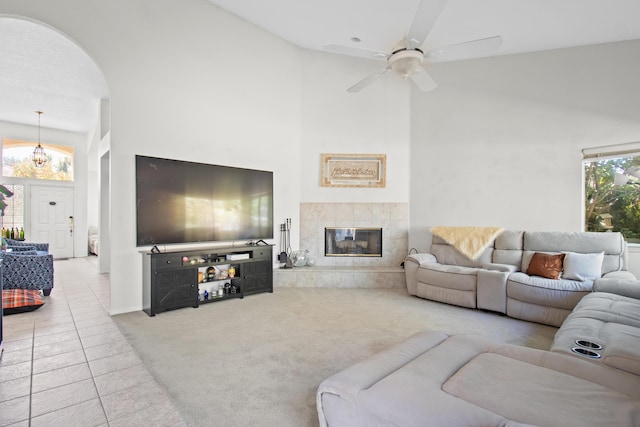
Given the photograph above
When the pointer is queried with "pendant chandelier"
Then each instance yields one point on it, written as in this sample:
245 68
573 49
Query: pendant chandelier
39 157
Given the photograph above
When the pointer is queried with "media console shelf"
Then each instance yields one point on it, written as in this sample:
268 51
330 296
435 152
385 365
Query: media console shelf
188 278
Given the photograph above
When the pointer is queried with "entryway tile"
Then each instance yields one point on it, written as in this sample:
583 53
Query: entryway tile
62 397
59 361
85 414
48 350
17 370
60 377
113 363
13 411
15 388
124 378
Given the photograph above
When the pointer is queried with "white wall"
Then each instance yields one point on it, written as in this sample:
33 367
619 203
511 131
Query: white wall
80 173
499 142
375 121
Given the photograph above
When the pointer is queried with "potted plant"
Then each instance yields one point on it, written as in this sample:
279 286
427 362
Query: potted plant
4 192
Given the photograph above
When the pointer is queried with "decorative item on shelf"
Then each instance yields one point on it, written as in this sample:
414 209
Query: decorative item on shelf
227 288
206 295
211 274
311 261
233 290
200 276
299 258
39 156
232 272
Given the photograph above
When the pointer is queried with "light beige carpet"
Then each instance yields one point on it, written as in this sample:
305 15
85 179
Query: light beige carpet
258 361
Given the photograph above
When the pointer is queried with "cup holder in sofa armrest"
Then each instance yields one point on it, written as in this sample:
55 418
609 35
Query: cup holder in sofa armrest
586 352
588 345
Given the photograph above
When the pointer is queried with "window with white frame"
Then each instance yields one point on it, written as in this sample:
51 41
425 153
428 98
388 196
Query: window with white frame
612 190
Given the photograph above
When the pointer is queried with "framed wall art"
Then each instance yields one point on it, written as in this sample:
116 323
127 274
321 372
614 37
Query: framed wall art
354 170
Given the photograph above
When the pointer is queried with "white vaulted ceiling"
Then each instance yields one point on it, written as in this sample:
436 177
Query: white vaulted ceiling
43 70
525 25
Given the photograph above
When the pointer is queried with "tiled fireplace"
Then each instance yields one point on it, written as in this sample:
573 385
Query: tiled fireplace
379 269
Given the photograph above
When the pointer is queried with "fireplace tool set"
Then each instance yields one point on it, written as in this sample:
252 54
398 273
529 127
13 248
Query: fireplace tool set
285 244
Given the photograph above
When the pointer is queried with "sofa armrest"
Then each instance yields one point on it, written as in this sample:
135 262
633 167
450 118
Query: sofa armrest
625 287
412 264
421 258
507 268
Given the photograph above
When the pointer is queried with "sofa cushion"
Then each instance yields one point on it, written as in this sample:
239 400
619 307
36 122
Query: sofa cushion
534 394
559 293
583 267
623 352
609 308
545 265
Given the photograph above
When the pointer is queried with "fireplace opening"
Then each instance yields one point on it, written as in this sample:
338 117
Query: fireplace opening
353 241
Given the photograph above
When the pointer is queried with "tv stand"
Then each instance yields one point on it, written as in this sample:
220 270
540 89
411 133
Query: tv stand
179 279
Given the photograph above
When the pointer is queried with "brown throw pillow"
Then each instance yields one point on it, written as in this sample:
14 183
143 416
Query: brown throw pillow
546 265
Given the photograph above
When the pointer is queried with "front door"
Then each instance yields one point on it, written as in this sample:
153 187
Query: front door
52 219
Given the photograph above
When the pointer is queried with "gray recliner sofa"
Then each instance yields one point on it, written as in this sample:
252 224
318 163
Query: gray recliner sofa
497 280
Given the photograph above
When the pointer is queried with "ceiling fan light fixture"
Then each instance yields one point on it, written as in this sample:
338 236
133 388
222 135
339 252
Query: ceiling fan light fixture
406 62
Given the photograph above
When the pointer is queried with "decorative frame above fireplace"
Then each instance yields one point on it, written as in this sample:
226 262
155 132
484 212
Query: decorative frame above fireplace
354 170
353 241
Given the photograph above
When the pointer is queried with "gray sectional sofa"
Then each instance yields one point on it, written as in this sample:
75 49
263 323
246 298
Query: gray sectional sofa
589 377
498 281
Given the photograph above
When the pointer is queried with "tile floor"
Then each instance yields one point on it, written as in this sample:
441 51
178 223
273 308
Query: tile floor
67 364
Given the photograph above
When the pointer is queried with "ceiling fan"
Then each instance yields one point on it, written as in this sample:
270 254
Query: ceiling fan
407 57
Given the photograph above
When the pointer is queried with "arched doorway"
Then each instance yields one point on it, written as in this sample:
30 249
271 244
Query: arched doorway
45 70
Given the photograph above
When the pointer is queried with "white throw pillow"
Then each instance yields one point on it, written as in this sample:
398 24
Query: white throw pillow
582 266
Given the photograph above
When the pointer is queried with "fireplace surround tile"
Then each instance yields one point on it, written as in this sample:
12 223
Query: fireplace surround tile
367 272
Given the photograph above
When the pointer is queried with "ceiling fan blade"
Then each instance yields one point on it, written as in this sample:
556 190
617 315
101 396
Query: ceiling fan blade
354 51
424 19
367 80
465 50
423 80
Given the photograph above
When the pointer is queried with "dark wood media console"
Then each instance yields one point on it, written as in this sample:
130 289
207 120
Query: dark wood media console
179 279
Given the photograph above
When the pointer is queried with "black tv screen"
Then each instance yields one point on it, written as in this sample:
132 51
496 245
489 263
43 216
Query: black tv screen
187 202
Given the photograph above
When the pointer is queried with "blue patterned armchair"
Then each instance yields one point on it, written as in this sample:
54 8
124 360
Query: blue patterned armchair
19 245
27 270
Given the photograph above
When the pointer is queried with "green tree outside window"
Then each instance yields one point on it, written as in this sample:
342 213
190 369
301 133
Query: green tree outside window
612 196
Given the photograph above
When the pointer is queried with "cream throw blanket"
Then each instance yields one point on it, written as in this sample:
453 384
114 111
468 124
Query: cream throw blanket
469 241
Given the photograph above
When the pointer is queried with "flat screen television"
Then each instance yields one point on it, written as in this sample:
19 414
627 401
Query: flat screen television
188 202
